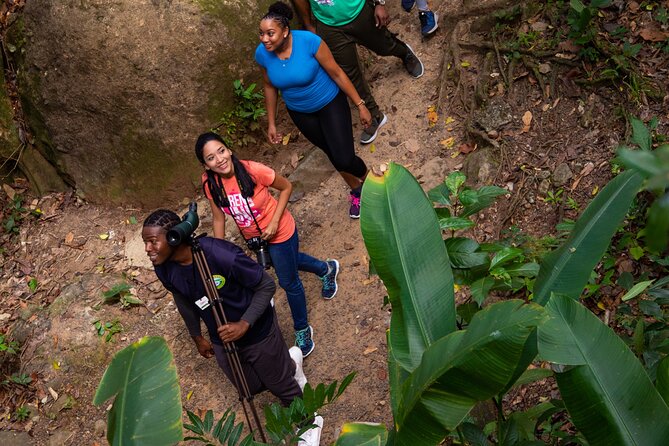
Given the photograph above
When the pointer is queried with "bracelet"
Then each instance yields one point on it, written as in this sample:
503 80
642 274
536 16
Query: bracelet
362 102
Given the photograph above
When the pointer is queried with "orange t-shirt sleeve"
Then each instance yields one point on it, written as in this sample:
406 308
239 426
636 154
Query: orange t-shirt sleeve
261 173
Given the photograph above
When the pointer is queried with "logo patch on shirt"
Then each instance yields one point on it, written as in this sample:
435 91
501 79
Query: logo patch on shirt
219 281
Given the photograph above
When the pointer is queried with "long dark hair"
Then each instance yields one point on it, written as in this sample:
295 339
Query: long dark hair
214 181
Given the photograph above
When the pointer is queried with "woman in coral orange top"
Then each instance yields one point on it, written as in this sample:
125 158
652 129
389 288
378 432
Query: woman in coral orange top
240 189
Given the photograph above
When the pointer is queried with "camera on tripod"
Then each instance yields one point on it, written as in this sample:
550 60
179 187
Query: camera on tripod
261 248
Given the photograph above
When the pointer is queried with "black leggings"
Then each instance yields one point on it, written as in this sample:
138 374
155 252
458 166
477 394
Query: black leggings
331 130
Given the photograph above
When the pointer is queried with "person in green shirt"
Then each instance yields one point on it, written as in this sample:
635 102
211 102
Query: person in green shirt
343 24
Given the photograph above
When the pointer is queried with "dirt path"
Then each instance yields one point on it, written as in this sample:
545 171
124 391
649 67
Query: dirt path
77 250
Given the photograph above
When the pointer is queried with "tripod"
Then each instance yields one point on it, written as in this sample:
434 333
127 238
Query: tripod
230 348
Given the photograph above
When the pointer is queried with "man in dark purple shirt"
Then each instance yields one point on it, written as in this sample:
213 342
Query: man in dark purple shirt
245 290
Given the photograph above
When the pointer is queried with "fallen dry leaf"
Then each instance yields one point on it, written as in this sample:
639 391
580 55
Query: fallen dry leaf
69 238
294 160
432 116
653 35
449 120
587 170
466 148
448 142
369 350
9 190
104 236
286 139
527 121
372 148
412 145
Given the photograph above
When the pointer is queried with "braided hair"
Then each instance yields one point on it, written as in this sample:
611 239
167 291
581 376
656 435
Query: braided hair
163 218
214 182
280 12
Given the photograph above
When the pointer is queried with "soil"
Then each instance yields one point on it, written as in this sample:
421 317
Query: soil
76 250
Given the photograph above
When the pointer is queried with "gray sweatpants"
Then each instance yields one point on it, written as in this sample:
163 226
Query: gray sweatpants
267 365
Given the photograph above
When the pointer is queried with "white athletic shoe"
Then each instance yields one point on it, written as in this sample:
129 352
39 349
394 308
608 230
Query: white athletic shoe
296 356
312 437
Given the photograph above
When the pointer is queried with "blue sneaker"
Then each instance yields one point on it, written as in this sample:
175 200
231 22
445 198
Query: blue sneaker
428 22
408 5
304 341
330 279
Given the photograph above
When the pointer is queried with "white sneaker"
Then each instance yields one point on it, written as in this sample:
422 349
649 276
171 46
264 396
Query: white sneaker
312 437
296 356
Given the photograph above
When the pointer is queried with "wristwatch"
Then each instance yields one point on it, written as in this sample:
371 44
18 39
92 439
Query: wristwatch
379 2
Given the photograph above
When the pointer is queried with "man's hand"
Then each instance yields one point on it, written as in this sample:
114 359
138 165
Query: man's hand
203 346
232 331
381 16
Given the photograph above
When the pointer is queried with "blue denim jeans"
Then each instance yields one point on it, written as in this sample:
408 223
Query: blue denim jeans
287 261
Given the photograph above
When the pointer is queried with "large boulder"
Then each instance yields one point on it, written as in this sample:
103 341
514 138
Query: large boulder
117 91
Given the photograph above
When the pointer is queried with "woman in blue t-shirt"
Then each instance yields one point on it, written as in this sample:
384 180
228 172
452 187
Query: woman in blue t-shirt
300 65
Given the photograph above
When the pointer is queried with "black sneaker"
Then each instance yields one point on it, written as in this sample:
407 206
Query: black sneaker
369 134
413 64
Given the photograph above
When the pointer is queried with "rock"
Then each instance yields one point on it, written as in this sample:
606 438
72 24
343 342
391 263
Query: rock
544 68
60 438
432 173
13 438
100 428
496 114
314 169
543 187
543 174
562 174
480 166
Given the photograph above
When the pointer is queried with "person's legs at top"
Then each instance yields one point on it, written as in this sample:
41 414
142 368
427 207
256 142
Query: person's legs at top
363 30
285 260
428 19
345 53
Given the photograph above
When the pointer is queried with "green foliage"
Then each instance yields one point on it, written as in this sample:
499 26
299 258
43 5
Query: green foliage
14 214
554 197
654 166
22 413
147 405
433 397
107 329
472 265
7 346
225 431
238 125
123 293
21 379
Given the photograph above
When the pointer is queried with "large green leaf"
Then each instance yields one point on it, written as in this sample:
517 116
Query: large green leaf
662 379
147 407
362 434
403 239
464 252
606 390
463 368
567 270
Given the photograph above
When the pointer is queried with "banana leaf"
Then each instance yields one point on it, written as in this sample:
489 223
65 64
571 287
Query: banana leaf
605 388
566 270
402 236
362 434
462 369
147 407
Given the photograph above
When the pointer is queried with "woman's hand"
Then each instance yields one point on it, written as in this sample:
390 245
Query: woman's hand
365 116
270 231
273 136
232 331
